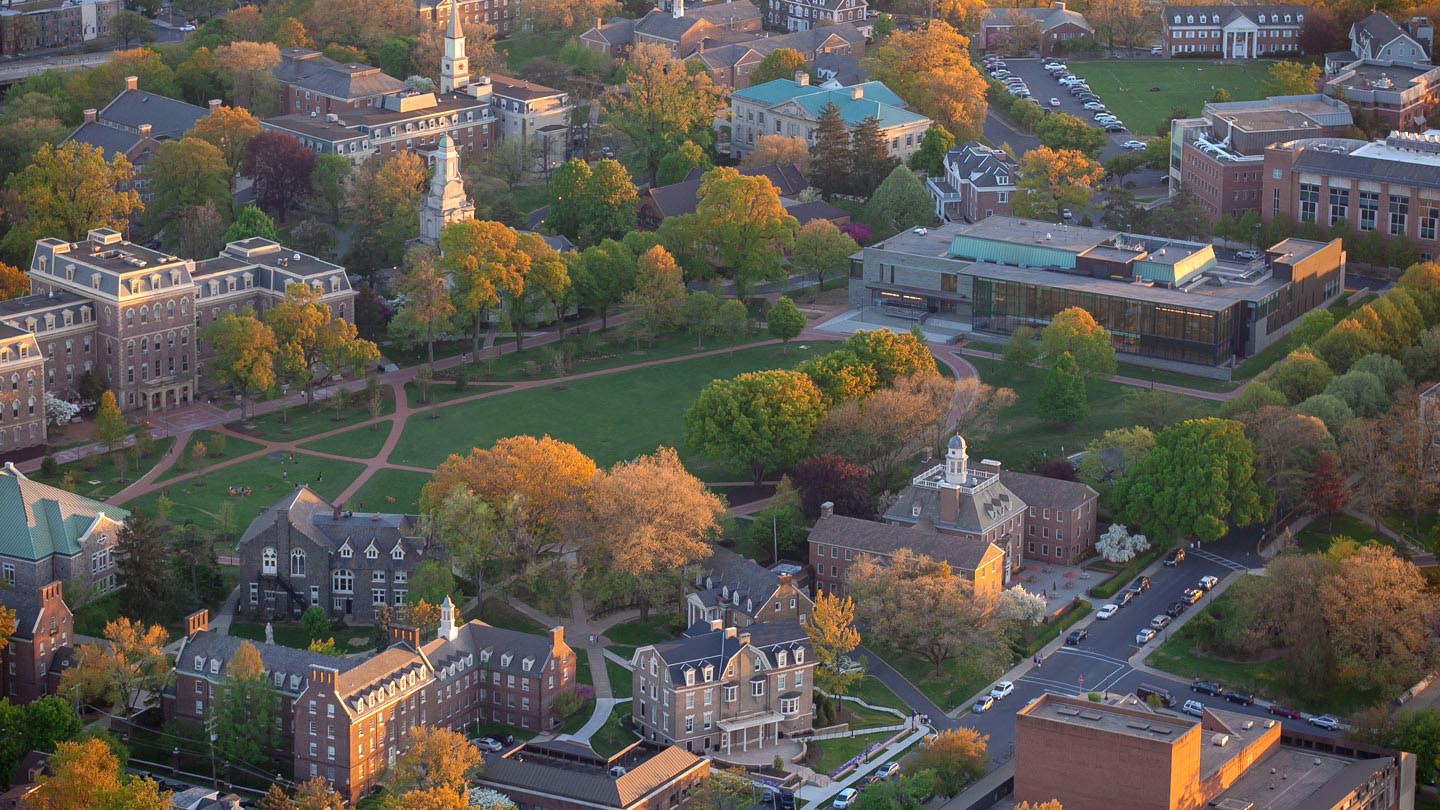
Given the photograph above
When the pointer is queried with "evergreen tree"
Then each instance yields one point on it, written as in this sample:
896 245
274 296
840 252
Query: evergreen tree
870 159
1063 399
245 713
830 156
141 554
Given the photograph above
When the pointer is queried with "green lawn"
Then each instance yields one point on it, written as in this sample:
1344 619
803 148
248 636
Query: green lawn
498 731
1021 434
266 477
1276 351
445 390
293 635
107 479
872 691
1128 87
521 48
1174 378
529 198
219 448
1316 536
495 611
582 668
836 752
861 718
611 417
621 685
612 737
392 491
593 352
957 682
91 619
300 421
638 633
361 442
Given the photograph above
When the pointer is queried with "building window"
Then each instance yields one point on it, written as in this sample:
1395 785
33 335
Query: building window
1399 213
343 581
757 688
269 561
297 563
1339 204
1309 201
254 593
9 574
789 706
1369 205
732 693
1427 223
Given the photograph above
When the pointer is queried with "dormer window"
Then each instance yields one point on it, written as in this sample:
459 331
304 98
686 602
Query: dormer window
398 553
199 663
781 659
484 656
505 659
372 553
800 656
1190 19
214 666
709 673
689 677
527 664
345 552
724 591
279 679
1002 179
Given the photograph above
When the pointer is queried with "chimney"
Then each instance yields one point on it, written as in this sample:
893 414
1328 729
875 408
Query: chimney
677 8
599 22
323 677
145 130
990 465
91 115
1060 4
730 632
197 622
132 82
52 592
744 639
783 580
717 625
857 92
802 78
405 634
215 104
827 509
557 637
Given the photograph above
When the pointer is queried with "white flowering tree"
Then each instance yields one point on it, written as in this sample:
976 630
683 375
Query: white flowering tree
1021 606
1118 545
488 799
58 412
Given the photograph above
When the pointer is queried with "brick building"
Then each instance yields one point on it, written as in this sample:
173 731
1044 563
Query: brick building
740 592
1059 517
53 534
1220 156
40 649
22 401
498 14
725 688
1398 95
560 775
1222 760
678 27
1232 32
344 719
1058 27
1389 187
978 182
805 15
731 63
54 24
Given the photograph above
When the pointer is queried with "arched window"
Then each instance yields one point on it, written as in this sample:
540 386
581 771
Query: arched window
342 582
269 562
297 563
129 317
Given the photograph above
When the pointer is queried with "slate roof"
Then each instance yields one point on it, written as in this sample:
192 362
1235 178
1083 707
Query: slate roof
887 538
981 165
1049 17
528 769
978 510
26 604
310 70
1229 14
725 573
1377 30
664 25
378 671
109 262
314 517
1042 491
682 197
807 41
490 645
38 520
207 646
113 141
877 101
521 89
805 212
168 118
716 647
843 68
619 31
16 311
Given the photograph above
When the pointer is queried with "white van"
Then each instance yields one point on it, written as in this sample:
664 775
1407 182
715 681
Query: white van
1194 707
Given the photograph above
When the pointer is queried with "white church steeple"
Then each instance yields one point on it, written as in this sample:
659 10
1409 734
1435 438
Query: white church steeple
445 202
454 67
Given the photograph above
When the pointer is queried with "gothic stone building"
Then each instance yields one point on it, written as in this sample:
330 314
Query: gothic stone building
739 592
303 552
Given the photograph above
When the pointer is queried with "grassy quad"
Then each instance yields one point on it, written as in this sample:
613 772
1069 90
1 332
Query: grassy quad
188 463
609 417
300 421
360 442
1125 86
391 491
107 479
348 640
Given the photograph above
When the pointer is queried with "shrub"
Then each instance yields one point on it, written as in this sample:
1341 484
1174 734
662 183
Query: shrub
49 467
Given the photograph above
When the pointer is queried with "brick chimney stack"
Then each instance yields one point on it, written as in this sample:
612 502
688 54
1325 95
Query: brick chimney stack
557 638
717 625
197 622
91 115
323 677
802 78
132 82
51 592
827 509
215 104
400 633
145 130
744 638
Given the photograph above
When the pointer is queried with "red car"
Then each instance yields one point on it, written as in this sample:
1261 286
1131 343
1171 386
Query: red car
1282 711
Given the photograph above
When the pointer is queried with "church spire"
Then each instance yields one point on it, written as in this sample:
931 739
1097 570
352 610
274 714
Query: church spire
454 67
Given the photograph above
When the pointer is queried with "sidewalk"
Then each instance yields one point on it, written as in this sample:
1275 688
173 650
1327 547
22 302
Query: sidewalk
815 796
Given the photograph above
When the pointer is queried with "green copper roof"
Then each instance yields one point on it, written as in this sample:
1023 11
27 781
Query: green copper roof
875 100
38 520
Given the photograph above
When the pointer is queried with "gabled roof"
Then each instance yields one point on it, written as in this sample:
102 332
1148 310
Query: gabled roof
168 118
884 539
981 165
113 141
1043 491
725 573
663 24
205 647
876 100
314 517
520 89
716 647
310 70
1377 31
619 31
493 648
26 604
807 212
1228 14
38 520
1049 17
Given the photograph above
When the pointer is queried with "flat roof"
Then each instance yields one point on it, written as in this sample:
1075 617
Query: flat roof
1202 297
1362 74
1140 723
1031 231
1290 779
1294 250
1268 120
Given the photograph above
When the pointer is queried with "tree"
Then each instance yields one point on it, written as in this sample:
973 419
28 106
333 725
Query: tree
1347 342
900 202
781 63
1292 79
1286 444
887 429
435 758
21 135
778 150
315 622
485 260
677 165
1118 545
58 412
1199 479
1052 180
1361 391
313 346
1064 399
659 293
660 104
245 712
1376 612
607 203
832 479
140 545
566 198
114 674
384 208
699 314
1063 131
957 758
762 419
1255 396
603 276
893 356
244 354
729 789
247 65
832 637
830 154
110 427
870 159
1019 607
732 322
86 775
127 27
785 320
1312 326
1389 371
1300 375
1124 23
428 311
1074 331
280 166
930 67
66 191
1418 731
745 226
196 232
251 222
329 181
930 157
650 517
432 582
1327 490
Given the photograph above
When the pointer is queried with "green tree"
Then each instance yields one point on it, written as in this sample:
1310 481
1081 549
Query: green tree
140 545
603 276
1063 399
110 427
781 63
660 104
244 354
761 419
249 222
821 249
315 622
745 225
1062 131
1292 79
1347 342
1388 370
830 155
428 312
432 581
957 758
699 314
676 165
330 181
245 713
1312 326
930 157
1362 391
1256 395
1021 349
66 191
659 294
1329 409
785 320
1199 479
732 321
1052 180
870 160
607 203
1418 731
900 202
1300 375
1074 331
893 356
567 197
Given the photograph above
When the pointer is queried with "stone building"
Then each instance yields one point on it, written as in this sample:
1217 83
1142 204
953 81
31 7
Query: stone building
806 15
725 689
792 107
52 535
445 202
22 388
40 649
740 592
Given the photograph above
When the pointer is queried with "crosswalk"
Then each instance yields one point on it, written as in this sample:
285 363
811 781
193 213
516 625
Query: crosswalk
1118 669
1218 560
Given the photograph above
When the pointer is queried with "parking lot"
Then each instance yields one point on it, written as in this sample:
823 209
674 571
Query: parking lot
1044 87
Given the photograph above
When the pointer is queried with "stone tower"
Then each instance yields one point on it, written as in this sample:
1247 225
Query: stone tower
445 202
454 67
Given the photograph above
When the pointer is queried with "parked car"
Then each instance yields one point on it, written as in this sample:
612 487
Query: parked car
1123 598
1133 144
1175 557
187 27
1156 51
1249 254
1065 213
1193 595
1175 609
1243 698
1002 690
1140 584
888 770
1143 637
1107 610
1145 691
1208 688
489 744
1282 711
1207 582
1160 622
1054 102
1094 106
1076 636
1194 707
846 798
787 800
1117 126
983 705
1325 721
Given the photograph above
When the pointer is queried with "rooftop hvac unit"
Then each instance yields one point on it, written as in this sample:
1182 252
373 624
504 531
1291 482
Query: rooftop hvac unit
1220 740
